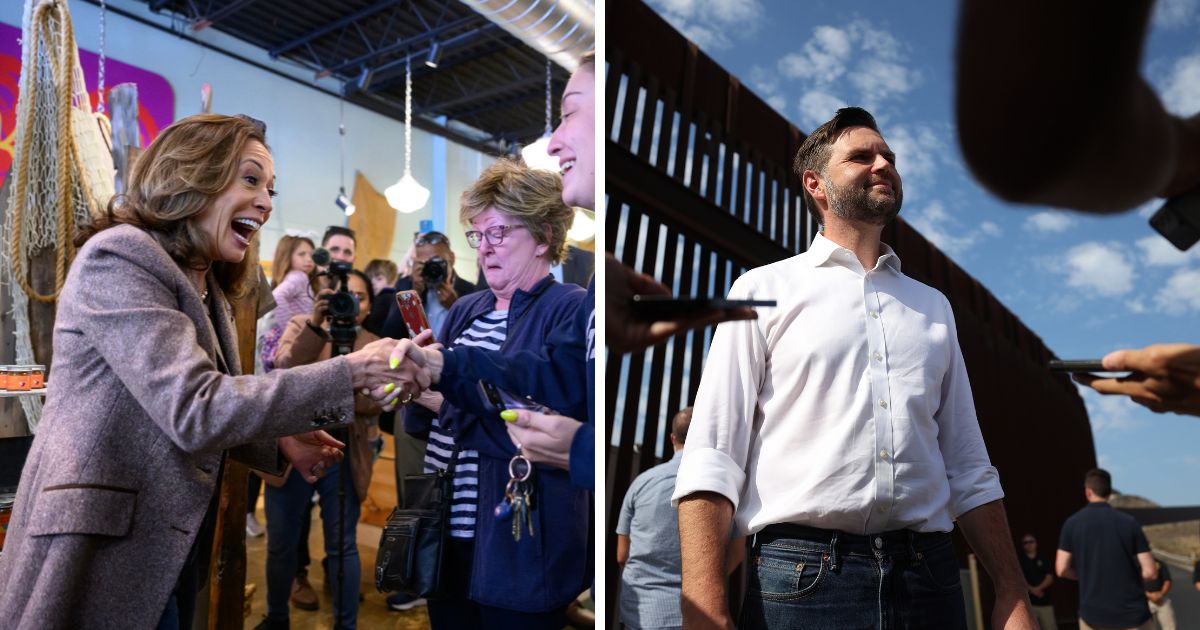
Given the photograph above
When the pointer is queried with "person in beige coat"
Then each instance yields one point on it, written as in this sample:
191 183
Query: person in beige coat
113 519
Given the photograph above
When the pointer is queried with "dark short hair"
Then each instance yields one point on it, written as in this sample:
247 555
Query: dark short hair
680 424
1099 482
337 230
370 289
815 152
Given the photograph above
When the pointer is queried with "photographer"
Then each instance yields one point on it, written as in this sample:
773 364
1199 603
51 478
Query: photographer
307 339
433 278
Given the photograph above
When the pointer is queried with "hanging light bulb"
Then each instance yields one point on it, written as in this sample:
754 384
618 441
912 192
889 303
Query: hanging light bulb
407 195
344 203
537 155
342 200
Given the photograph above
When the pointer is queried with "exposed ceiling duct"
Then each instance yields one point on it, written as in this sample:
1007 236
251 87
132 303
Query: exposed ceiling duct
560 29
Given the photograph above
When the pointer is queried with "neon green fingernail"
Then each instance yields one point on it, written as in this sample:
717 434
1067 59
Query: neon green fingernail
387 389
394 363
509 415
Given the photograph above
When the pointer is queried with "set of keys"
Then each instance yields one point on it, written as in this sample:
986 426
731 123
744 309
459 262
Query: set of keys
518 496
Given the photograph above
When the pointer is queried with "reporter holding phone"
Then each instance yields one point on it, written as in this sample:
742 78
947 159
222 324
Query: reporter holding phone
518 223
115 511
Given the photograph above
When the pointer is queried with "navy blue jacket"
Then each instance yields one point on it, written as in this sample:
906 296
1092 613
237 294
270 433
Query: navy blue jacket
548 570
560 374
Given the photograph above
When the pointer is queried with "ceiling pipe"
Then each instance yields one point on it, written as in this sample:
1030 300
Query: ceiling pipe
560 29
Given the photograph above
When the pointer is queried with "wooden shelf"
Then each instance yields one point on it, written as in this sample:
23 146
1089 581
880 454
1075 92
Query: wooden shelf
32 392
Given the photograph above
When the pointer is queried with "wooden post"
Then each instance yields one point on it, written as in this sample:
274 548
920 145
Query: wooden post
227 576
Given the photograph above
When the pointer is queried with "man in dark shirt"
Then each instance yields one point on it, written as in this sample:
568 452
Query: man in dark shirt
1039 575
1107 552
1156 595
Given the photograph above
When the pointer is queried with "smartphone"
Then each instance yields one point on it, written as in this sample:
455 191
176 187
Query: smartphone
658 307
1091 365
498 400
412 311
1179 219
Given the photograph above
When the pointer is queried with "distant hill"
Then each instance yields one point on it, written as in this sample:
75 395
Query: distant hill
1177 538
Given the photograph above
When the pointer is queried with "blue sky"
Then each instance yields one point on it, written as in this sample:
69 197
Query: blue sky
1087 285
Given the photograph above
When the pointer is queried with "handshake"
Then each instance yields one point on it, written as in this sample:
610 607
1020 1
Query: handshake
395 372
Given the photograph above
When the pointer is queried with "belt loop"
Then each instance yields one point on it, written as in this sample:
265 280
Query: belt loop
754 541
833 559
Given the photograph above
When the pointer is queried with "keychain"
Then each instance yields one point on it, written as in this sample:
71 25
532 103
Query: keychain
518 500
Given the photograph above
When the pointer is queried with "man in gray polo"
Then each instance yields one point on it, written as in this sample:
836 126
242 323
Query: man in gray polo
648 542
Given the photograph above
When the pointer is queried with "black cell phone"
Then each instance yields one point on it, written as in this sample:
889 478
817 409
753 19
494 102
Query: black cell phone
658 307
1179 219
498 400
1090 365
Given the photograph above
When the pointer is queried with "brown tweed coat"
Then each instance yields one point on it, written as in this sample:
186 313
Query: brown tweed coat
136 422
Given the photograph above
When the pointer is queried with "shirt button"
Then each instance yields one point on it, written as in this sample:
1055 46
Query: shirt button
874 315
883 454
878 357
883 403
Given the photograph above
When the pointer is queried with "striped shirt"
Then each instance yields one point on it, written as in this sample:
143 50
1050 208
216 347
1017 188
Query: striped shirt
487 332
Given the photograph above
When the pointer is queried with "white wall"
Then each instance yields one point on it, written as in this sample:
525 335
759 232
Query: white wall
302 124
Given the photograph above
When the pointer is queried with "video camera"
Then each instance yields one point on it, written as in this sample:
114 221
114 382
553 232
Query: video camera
343 305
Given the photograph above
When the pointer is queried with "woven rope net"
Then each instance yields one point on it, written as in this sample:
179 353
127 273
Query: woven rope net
61 172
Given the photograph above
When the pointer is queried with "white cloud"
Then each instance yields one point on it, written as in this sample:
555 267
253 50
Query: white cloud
1182 293
709 22
945 231
919 152
1159 252
1181 92
991 229
816 107
1148 209
1170 14
1109 413
1099 269
766 85
1136 306
1048 222
857 62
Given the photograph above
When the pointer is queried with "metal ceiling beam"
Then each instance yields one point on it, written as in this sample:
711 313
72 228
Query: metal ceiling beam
389 108
206 21
332 26
405 44
393 71
441 107
511 101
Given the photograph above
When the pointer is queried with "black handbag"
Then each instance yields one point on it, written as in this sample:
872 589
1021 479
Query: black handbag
413 543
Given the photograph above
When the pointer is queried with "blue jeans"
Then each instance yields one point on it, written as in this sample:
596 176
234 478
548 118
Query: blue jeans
286 507
803 577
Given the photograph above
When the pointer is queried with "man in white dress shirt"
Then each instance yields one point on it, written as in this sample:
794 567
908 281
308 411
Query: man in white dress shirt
838 429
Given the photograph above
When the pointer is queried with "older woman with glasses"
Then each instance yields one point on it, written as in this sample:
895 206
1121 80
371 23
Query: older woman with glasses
518 223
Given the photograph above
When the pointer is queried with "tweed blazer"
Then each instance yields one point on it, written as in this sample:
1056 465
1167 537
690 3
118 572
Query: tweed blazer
137 419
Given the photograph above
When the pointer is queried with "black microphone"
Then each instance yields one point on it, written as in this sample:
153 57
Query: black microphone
321 257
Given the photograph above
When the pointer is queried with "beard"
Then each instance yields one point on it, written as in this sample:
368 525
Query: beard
858 204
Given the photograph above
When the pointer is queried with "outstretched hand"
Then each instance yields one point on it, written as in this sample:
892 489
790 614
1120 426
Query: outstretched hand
312 453
1166 377
626 334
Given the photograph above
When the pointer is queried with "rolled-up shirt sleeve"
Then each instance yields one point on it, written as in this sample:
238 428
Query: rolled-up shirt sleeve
723 416
972 478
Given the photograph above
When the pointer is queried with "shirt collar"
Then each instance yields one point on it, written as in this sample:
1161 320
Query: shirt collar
823 250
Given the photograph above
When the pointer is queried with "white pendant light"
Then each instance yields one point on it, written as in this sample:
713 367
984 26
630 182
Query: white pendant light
537 155
407 195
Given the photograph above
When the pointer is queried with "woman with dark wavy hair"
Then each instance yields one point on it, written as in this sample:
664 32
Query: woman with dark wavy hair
113 520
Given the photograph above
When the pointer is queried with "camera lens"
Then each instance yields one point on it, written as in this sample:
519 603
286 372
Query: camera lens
343 306
435 270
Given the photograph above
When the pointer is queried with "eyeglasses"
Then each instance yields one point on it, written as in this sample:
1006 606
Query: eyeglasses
432 238
495 235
